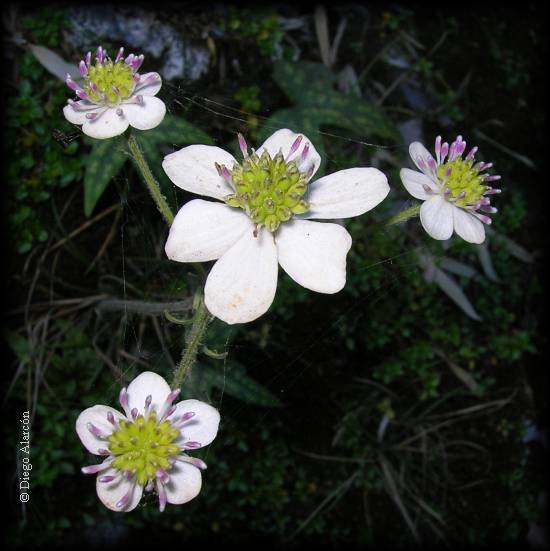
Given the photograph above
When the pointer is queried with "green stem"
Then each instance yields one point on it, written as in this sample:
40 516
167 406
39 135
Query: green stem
402 216
150 181
193 339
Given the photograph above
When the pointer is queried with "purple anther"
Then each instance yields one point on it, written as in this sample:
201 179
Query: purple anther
128 475
294 147
151 79
162 496
103 451
438 146
483 218
119 55
170 411
81 94
71 83
89 59
82 68
472 153
99 54
150 486
493 191
123 501
134 413
162 475
444 151
452 151
195 461
305 151
431 163
137 61
111 418
93 87
187 416
148 401
484 201
460 148
107 478
242 145
448 172
94 430
421 164
129 59
192 445
123 397
93 469
493 178
489 209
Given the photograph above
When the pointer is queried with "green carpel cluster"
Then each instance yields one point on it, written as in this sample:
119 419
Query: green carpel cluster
143 446
270 191
465 184
114 81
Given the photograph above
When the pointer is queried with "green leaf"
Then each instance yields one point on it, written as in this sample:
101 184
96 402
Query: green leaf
107 156
317 104
102 165
231 379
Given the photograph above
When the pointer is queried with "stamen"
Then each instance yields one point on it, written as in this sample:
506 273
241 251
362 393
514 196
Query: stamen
83 69
305 151
444 151
107 478
162 496
88 59
119 55
93 469
111 418
195 461
294 147
438 148
95 431
242 145
472 153
191 445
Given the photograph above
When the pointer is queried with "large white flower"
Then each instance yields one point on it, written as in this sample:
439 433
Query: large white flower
264 221
144 448
114 96
454 190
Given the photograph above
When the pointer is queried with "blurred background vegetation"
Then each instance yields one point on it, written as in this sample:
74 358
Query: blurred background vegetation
407 408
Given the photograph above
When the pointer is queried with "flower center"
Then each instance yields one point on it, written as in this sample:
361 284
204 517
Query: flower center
269 190
143 446
109 82
462 181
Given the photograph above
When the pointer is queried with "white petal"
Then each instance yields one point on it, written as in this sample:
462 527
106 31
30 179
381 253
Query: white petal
78 116
203 230
417 151
468 226
346 193
415 181
201 428
146 115
106 125
436 216
282 140
151 89
192 168
313 254
97 415
110 493
242 284
185 483
145 384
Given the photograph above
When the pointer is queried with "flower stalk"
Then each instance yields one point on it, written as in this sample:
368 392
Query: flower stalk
403 215
193 338
149 179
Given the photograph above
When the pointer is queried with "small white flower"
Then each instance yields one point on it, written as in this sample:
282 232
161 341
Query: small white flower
453 189
263 220
144 449
114 96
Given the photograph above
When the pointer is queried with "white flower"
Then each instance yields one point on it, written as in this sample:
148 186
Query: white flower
454 190
255 228
114 96
144 449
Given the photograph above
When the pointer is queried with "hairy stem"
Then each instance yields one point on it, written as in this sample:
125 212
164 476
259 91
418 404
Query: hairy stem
150 181
193 338
402 216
